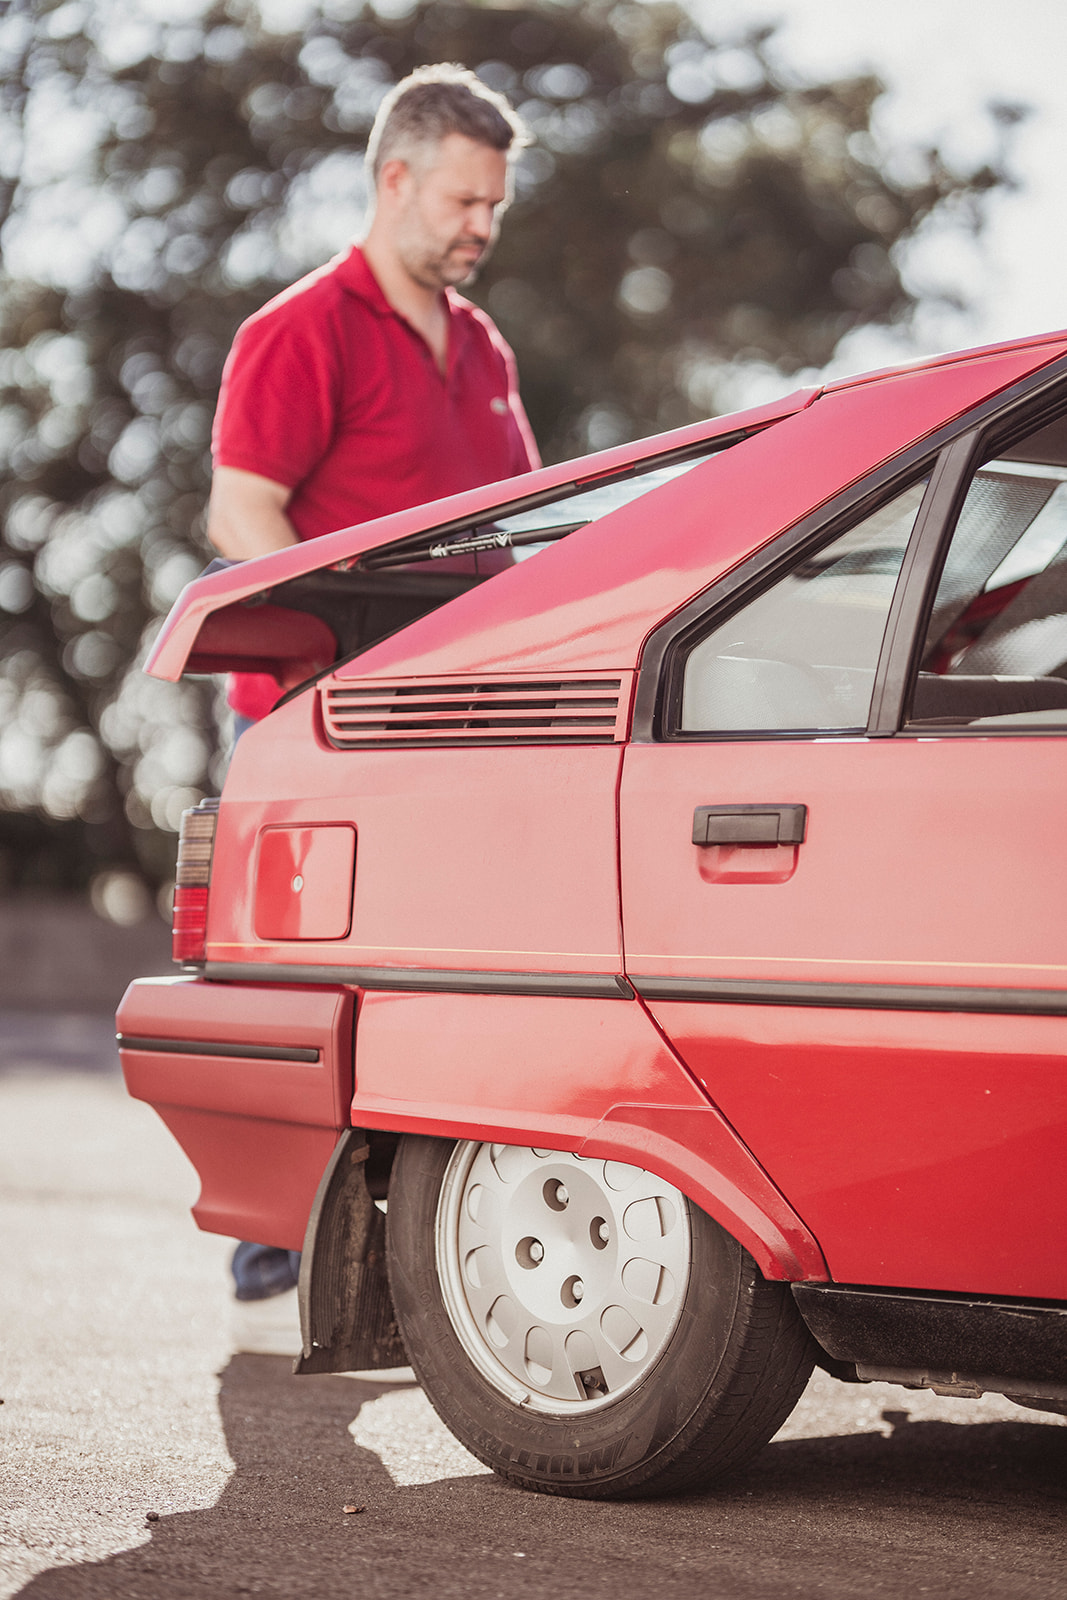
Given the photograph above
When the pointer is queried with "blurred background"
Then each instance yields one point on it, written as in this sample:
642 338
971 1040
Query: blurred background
723 200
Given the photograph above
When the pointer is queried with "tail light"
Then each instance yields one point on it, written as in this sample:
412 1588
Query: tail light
192 882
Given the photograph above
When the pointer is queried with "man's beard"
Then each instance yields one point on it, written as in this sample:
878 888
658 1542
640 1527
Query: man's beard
445 271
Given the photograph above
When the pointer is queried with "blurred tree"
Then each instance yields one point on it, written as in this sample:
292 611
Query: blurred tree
165 168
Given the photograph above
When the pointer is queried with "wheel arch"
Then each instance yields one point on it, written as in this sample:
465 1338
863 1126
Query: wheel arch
593 1077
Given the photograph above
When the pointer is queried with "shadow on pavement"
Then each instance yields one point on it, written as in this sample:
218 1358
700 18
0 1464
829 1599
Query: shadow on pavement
955 1511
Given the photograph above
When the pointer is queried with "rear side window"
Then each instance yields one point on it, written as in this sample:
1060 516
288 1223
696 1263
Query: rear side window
995 651
802 656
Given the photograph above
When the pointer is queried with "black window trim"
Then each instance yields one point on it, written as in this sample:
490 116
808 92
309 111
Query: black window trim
947 455
917 591
920 569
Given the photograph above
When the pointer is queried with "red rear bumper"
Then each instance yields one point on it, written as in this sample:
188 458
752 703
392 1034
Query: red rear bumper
255 1083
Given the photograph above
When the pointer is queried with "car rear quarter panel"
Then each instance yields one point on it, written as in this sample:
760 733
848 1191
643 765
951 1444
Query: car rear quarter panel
491 859
591 1076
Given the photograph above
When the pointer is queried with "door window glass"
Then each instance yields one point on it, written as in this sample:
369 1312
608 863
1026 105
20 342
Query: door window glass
802 656
995 653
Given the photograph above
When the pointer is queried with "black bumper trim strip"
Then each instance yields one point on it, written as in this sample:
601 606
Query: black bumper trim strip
429 980
203 1047
859 996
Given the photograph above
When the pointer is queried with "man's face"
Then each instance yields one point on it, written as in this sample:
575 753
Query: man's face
447 214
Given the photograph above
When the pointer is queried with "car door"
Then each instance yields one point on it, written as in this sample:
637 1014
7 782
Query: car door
844 862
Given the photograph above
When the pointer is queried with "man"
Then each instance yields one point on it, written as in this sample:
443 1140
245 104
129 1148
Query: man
368 387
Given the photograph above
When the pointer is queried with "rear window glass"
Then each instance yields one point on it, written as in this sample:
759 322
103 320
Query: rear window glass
387 589
529 528
588 505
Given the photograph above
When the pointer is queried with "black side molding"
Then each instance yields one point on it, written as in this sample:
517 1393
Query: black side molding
204 1047
861 996
428 980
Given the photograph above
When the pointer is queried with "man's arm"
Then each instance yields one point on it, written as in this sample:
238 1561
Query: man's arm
246 514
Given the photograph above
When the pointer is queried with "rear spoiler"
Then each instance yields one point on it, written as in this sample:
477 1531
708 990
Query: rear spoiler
227 620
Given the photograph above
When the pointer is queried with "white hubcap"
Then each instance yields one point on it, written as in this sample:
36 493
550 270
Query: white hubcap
563 1277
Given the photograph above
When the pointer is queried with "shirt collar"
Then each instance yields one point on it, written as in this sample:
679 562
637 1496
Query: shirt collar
358 279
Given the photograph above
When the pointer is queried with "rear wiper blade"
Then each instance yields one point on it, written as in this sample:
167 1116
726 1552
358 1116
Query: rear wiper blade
475 543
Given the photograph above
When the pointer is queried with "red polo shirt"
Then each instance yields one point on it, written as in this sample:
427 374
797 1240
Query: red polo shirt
332 392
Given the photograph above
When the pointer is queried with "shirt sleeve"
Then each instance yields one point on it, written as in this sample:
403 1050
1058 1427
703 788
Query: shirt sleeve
277 406
525 454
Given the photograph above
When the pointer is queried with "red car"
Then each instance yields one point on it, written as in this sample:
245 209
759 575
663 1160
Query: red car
670 925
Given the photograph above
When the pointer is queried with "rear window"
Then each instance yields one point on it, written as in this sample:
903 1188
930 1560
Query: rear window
387 589
529 528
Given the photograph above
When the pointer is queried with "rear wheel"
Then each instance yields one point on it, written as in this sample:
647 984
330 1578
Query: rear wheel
582 1327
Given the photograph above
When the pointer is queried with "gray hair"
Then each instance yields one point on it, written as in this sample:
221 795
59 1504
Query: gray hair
435 101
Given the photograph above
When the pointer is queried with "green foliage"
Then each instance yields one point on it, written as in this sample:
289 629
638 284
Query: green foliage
681 209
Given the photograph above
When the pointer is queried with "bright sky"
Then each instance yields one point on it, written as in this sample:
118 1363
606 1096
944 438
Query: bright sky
943 60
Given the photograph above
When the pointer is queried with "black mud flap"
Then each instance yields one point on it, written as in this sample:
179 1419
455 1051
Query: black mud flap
346 1310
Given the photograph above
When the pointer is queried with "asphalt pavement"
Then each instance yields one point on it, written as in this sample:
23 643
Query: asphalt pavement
141 1459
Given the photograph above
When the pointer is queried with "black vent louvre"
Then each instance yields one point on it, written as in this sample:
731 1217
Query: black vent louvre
586 710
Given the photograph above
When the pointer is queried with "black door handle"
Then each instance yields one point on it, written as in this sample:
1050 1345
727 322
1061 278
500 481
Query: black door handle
747 824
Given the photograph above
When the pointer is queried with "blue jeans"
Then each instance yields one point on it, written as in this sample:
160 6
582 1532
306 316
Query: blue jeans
261 1270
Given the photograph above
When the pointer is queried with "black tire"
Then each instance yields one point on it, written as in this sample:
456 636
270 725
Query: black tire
727 1374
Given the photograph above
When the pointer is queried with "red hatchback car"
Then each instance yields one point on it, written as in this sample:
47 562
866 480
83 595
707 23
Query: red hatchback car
668 926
